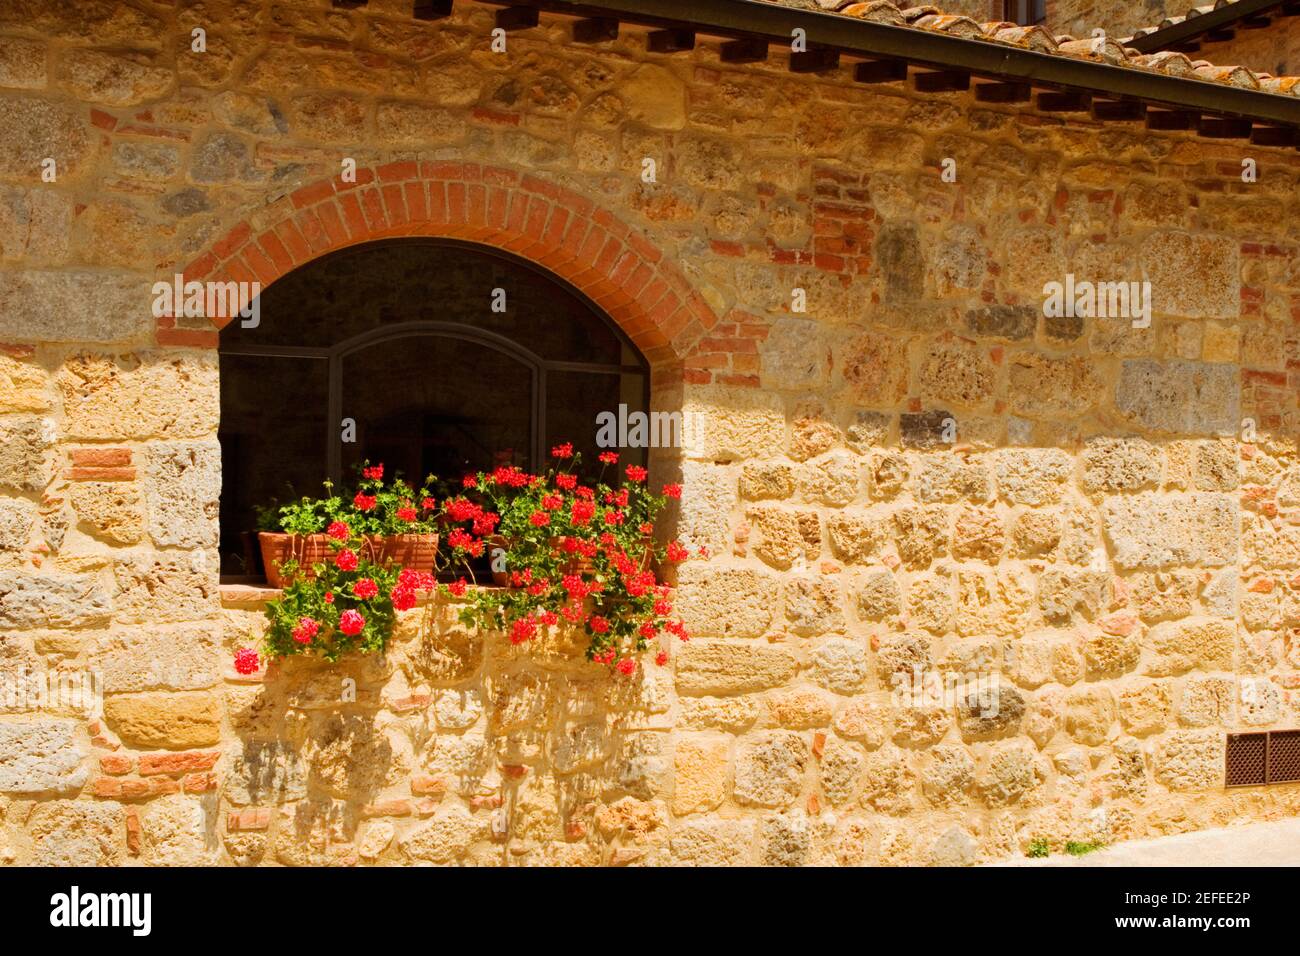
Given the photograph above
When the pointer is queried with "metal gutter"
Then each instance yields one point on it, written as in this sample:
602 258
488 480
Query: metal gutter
1195 26
861 38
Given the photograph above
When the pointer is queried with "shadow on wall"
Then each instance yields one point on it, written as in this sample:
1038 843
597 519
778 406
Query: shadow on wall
527 743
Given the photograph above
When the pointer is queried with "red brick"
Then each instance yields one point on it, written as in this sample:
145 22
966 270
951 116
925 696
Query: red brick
312 194
183 762
398 171
132 832
187 338
101 456
115 764
372 204
387 808
254 818
102 474
199 783
423 785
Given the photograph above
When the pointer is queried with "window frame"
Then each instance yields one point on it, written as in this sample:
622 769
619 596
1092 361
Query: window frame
1035 12
539 367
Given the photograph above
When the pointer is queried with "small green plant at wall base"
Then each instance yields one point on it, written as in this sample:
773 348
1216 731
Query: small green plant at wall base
1037 848
1081 849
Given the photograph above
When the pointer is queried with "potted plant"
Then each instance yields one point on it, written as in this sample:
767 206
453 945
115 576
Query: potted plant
578 555
396 524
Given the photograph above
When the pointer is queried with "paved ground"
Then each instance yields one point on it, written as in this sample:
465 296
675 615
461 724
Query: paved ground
1255 844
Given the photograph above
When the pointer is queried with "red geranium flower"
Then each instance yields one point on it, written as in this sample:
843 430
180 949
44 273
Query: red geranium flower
539 519
346 560
673 491
522 630
365 588
567 482
599 624
582 512
626 666
351 622
305 630
458 587
608 457
339 531
403 598
563 451
551 502
661 658
636 472
364 502
407 514
428 504
374 472
329 597
246 660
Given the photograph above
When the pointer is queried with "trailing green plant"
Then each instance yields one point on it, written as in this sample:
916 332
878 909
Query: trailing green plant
1038 847
578 555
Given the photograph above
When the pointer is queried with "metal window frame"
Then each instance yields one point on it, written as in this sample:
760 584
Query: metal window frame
539 368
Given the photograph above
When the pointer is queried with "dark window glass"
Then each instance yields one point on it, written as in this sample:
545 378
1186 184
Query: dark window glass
400 337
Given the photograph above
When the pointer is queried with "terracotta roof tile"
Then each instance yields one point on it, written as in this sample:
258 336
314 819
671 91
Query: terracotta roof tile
1035 38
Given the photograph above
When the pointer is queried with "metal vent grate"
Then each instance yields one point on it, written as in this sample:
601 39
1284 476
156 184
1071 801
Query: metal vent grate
1247 760
1284 756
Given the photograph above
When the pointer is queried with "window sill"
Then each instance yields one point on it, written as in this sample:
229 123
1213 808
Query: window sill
237 593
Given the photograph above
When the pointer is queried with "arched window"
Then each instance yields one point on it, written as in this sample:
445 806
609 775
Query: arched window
435 356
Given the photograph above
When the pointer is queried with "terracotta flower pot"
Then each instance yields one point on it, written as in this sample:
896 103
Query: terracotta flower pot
498 547
278 548
416 551
419 552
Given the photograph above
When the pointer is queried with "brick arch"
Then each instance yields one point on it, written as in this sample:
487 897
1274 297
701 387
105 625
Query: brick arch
587 246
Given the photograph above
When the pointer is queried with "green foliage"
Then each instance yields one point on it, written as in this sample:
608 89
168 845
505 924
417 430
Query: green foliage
1080 849
373 507
323 601
580 554
1037 848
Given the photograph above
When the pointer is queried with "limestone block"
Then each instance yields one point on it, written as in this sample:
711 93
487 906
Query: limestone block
165 721
76 833
183 487
701 773
770 768
725 667
732 423
142 657
45 600
140 396
43 755
1196 398
725 602
1150 530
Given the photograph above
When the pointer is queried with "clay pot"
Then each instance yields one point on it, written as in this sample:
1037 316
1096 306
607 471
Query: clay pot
498 547
416 551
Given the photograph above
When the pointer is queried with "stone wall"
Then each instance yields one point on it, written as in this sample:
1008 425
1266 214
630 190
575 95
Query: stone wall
1119 18
1109 534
